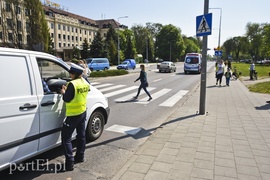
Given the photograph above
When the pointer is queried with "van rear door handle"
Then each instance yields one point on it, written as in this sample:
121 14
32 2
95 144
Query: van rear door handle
47 103
28 106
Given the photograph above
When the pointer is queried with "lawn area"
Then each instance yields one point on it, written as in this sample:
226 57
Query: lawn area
263 70
263 87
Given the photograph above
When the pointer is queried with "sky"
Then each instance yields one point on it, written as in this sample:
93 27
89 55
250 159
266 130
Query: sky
235 14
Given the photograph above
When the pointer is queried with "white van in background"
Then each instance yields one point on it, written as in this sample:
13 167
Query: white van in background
31 117
192 63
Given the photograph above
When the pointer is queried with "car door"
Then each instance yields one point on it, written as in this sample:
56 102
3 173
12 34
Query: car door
19 117
52 108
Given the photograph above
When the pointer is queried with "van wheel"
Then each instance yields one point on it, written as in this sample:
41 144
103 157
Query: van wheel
105 69
95 126
185 72
91 69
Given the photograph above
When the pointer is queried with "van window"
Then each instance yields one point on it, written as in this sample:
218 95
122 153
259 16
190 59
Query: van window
192 60
19 84
50 69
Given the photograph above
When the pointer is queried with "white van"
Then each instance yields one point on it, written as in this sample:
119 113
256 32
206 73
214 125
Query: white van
192 63
30 118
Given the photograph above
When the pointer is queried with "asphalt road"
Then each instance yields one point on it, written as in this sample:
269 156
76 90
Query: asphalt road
131 122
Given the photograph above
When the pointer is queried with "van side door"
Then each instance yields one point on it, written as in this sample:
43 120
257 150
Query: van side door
19 115
52 108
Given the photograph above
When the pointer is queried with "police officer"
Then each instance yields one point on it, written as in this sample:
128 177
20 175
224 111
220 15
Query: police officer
74 95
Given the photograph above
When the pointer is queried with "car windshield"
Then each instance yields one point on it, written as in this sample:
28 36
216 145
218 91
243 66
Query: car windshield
125 62
192 60
88 61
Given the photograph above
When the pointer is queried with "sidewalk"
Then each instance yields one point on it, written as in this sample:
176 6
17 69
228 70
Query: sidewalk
232 141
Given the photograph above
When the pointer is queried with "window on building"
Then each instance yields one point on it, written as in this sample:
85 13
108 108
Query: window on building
28 38
72 38
64 44
76 39
72 29
80 38
85 32
72 45
52 35
68 37
0 20
9 23
76 30
59 44
18 10
20 37
68 28
10 36
68 45
64 27
8 7
27 26
59 36
52 25
90 40
1 35
80 31
19 25
64 36
59 26
27 12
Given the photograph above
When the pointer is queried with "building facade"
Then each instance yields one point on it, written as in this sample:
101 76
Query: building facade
67 30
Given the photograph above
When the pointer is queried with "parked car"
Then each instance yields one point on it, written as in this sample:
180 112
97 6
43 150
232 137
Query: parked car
32 108
96 64
127 64
167 66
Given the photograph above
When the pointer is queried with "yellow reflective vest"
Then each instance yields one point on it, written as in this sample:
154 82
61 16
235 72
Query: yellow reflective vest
78 104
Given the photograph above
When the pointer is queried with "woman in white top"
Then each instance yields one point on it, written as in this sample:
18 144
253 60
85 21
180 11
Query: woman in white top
220 72
87 71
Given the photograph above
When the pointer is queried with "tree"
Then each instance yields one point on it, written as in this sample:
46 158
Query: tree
170 44
266 41
76 53
85 49
97 46
37 28
254 35
191 45
111 42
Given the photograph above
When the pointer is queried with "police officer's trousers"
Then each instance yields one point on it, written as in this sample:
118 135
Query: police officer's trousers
71 123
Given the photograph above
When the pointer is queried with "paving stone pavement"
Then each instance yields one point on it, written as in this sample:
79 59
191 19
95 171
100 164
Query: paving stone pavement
231 141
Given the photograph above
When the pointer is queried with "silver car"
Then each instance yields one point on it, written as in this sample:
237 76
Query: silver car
167 66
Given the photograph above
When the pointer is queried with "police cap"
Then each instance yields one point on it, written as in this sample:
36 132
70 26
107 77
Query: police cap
75 69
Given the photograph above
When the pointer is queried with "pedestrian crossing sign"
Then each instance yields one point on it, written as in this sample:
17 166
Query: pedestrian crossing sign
204 25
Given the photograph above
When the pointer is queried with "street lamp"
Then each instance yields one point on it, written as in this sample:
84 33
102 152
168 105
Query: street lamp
118 42
219 25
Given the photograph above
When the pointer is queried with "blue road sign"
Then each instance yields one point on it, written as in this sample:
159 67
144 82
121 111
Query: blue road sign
218 53
204 25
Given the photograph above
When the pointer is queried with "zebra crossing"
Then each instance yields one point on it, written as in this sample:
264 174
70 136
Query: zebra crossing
110 90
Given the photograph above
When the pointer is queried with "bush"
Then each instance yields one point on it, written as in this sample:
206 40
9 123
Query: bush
262 70
108 73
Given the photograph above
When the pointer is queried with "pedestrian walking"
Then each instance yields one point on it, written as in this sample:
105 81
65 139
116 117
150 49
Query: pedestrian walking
144 83
228 76
219 72
74 96
251 70
86 71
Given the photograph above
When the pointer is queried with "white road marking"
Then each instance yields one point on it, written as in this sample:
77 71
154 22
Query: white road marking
154 96
111 88
129 97
124 129
94 83
174 99
120 91
103 85
157 80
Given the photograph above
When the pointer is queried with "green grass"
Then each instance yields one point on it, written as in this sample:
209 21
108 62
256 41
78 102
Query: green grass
263 70
263 87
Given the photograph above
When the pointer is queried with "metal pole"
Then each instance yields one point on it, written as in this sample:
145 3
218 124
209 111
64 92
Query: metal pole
204 65
118 41
219 32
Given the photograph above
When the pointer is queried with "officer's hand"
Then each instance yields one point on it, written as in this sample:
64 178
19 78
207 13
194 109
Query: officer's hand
63 90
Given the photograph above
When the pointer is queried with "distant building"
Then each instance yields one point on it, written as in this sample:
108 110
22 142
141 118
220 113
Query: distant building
67 30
